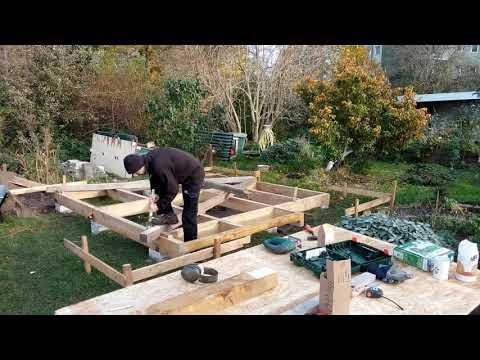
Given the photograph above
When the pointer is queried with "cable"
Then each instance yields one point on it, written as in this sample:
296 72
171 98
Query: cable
401 308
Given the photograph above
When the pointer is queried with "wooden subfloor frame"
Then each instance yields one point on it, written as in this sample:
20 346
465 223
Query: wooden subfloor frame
265 207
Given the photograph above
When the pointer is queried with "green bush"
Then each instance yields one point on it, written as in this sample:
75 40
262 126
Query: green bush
427 175
467 227
176 116
293 155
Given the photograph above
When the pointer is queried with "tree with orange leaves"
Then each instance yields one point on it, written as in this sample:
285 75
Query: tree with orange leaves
358 111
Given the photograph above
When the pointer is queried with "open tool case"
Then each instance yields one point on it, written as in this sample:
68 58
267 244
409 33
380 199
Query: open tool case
361 256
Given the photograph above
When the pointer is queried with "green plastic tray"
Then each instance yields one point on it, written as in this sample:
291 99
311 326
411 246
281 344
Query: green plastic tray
361 256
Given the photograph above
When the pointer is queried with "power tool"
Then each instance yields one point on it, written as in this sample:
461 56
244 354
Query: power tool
376 293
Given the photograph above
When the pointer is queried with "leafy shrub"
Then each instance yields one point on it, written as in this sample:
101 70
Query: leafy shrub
176 116
427 175
294 155
468 226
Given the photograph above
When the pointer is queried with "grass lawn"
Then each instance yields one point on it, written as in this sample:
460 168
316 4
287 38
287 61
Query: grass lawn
38 275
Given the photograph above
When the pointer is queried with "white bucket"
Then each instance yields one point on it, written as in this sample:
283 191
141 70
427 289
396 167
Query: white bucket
467 261
441 267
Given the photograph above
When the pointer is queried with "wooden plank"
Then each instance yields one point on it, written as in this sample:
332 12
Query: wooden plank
132 185
128 208
177 262
41 188
228 171
284 190
149 235
218 296
206 205
87 194
241 204
104 268
268 198
17 180
321 200
368 205
124 195
120 225
357 191
78 206
330 234
224 187
243 231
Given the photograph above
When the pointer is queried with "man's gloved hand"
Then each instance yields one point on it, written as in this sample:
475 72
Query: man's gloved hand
165 219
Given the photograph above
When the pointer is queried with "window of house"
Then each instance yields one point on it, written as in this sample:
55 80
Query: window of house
376 49
474 48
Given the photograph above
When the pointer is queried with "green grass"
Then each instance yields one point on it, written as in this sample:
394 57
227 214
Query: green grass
36 245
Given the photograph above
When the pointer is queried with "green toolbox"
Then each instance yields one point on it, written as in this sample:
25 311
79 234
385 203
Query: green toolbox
420 253
361 255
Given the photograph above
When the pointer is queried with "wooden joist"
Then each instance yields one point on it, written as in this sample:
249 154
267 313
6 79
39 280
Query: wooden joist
118 224
216 297
43 188
131 185
106 269
268 197
243 231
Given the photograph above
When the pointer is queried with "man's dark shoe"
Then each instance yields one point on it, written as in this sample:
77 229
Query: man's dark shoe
165 219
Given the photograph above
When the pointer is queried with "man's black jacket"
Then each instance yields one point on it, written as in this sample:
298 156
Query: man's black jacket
169 167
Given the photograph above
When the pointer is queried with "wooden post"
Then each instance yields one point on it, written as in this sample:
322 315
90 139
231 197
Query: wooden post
210 155
64 179
235 167
394 193
258 175
357 202
4 167
86 264
345 189
437 203
217 251
295 191
127 272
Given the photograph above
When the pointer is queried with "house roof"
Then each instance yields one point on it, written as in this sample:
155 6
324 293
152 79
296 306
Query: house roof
453 96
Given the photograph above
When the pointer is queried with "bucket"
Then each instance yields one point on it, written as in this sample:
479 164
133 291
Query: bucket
467 261
441 267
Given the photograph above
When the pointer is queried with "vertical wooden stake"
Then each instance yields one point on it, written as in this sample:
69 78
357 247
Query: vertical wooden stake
86 264
357 202
235 167
64 179
394 193
437 203
345 189
210 155
258 175
217 251
127 272
4 167
295 192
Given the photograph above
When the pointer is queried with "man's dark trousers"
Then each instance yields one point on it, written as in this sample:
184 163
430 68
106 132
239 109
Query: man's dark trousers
191 193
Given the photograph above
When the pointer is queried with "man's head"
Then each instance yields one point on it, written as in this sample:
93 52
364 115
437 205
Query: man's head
134 164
